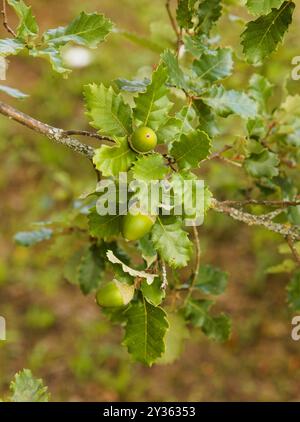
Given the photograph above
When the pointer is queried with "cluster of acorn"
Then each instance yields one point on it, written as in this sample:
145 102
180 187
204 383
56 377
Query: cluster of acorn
134 226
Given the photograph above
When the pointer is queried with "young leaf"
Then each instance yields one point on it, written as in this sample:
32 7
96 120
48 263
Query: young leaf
145 330
175 339
263 7
91 269
264 164
150 167
169 131
13 92
189 120
152 106
153 293
107 111
25 388
53 56
131 271
28 26
172 242
33 237
191 149
11 47
214 67
229 102
88 29
113 160
206 118
293 292
147 249
263 35
211 280
104 226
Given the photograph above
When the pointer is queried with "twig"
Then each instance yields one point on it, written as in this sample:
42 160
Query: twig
5 21
52 133
283 204
87 133
293 249
197 264
293 232
172 20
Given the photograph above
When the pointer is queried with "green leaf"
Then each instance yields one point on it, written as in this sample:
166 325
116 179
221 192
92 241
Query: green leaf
260 89
88 29
169 131
28 26
208 13
150 167
145 331
263 35
172 242
11 46
217 328
189 120
107 111
293 292
53 56
176 75
104 226
113 160
211 280
191 149
263 7
33 237
152 106
262 165
132 85
13 92
26 388
175 339
229 102
153 293
214 67
91 269
197 45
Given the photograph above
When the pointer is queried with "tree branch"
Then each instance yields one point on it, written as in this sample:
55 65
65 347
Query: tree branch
5 21
290 232
87 133
283 204
293 249
52 133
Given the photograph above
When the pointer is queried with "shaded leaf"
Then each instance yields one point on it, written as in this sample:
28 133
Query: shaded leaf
211 280
263 35
145 331
91 268
262 165
293 292
175 338
150 167
104 227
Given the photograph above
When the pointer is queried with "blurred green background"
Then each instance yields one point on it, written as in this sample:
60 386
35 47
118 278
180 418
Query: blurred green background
60 334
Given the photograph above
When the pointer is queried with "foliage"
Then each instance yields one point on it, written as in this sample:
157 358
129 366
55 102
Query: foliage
185 100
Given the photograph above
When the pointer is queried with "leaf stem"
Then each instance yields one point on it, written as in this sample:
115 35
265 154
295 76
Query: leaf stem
5 20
